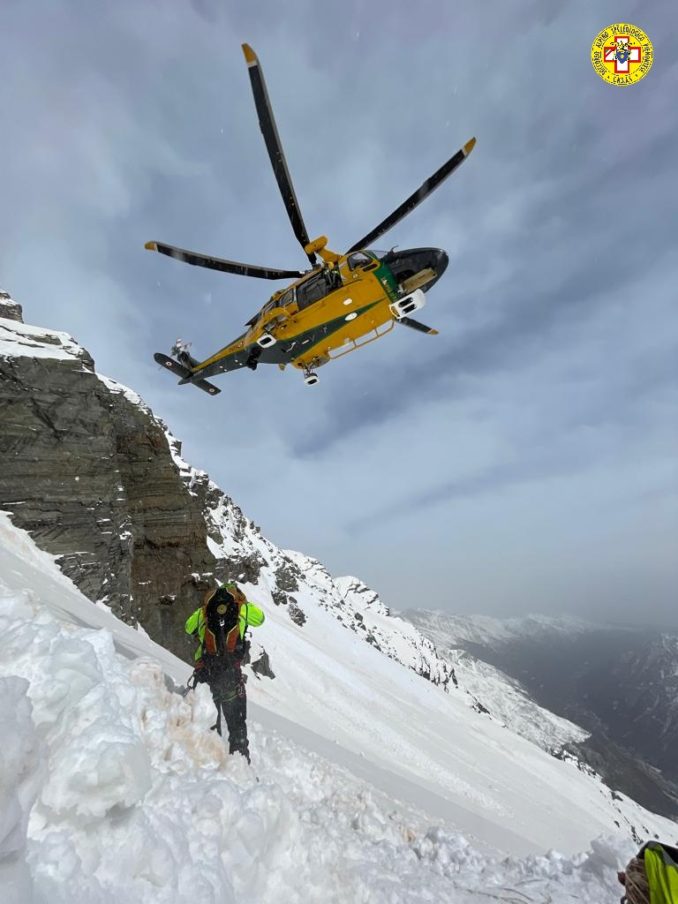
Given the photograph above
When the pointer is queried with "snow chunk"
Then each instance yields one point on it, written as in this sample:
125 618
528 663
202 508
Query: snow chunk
22 340
20 769
119 389
79 697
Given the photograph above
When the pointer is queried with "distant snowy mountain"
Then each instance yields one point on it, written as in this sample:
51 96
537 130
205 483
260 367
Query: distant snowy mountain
452 630
620 684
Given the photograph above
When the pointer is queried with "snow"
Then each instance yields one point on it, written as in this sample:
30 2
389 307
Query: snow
119 389
507 702
353 795
21 765
23 340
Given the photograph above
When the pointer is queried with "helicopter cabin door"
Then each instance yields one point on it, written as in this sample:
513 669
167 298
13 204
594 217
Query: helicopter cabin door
314 289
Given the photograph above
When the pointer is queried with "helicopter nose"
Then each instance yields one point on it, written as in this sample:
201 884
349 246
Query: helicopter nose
441 262
408 263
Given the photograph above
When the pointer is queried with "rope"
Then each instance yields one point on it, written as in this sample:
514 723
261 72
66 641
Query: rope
635 883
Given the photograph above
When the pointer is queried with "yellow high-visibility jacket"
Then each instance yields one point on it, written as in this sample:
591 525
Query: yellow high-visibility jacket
661 867
250 616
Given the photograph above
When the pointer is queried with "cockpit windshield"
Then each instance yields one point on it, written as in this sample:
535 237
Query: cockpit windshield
360 259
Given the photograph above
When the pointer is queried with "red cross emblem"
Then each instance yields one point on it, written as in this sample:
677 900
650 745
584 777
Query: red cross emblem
622 53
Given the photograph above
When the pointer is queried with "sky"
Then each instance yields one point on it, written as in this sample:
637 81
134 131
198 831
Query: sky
524 460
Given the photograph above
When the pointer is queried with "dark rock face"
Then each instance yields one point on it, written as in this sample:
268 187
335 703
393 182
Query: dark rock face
9 309
89 474
287 577
241 568
262 666
279 597
296 613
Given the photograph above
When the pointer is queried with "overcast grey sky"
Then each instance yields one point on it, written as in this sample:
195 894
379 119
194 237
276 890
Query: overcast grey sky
522 460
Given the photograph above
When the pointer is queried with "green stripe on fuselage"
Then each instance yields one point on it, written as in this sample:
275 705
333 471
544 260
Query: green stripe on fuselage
387 280
304 342
285 351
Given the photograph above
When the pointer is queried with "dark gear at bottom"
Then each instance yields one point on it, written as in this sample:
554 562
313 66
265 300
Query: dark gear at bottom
228 692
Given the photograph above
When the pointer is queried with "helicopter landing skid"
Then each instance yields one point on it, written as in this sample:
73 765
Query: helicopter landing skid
310 376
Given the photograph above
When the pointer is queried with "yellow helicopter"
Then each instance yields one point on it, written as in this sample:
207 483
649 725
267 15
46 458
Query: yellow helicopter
344 302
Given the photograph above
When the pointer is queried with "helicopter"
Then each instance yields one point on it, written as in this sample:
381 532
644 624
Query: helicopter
342 303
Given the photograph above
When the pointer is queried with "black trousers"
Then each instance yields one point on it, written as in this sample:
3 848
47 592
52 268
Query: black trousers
227 684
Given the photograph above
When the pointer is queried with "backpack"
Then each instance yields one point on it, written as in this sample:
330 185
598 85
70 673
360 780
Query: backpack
221 614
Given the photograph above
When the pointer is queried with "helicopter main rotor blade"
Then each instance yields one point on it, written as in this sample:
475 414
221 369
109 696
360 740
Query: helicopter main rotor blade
217 263
417 325
415 199
274 148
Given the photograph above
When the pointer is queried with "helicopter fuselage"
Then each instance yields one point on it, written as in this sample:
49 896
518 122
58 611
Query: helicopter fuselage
330 311
344 302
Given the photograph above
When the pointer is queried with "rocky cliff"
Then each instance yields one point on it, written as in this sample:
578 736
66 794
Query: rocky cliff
9 309
87 470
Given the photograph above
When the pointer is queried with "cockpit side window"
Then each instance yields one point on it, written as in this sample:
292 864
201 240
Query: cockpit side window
358 260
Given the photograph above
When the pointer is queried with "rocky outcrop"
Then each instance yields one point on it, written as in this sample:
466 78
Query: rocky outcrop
391 634
89 472
9 309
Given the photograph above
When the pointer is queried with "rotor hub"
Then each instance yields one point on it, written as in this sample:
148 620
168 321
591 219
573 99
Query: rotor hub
319 246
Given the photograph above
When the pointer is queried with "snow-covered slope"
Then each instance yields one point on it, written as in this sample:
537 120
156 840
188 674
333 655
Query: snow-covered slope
618 682
22 339
300 585
374 784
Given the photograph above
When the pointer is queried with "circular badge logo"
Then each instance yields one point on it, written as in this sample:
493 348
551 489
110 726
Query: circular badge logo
622 54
